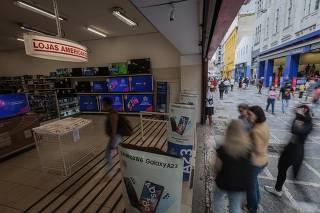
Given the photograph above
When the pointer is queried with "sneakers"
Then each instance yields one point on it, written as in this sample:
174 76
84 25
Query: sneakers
273 191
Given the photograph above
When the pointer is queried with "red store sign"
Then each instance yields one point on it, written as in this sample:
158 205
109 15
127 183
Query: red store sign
54 48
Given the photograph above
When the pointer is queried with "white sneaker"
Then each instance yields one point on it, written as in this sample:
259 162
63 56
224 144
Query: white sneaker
273 191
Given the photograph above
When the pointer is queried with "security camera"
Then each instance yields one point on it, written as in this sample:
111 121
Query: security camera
172 13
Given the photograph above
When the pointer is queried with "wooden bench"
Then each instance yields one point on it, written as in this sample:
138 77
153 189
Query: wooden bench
96 186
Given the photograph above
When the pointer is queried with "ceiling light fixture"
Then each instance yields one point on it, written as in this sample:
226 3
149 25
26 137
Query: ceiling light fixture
96 32
37 10
118 12
20 39
31 29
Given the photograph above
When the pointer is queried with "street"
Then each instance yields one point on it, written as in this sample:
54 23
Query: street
296 193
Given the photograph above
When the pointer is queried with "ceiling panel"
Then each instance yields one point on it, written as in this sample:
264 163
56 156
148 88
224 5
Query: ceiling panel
79 14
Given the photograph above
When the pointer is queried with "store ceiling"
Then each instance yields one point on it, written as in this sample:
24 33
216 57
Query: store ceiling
183 32
79 14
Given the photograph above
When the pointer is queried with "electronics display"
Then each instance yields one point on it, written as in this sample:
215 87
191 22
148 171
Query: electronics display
83 86
99 86
118 69
139 66
76 72
118 84
63 72
90 71
103 71
13 104
117 102
88 103
45 104
142 83
137 103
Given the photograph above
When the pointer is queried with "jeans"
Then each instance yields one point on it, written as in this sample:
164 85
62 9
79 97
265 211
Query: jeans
253 192
221 94
285 104
270 101
234 198
112 145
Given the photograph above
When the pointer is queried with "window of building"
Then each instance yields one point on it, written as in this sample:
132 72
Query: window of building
307 7
276 30
267 28
317 4
289 13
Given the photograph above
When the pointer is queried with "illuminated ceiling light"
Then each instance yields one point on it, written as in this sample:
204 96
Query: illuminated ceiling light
117 12
20 39
96 32
37 10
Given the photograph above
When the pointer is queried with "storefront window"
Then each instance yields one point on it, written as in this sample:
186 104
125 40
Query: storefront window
316 7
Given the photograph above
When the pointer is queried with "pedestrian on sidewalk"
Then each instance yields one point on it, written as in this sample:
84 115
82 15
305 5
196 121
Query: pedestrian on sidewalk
209 104
227 85
232 168
285 94
271 98
315 100
259 155
243 111
293 152
301 90
260 85
232 84
221 89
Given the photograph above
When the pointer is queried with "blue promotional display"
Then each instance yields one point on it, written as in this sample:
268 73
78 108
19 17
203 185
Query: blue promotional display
184 151
137 103
13 104
88 103
99 86
117 102
141 83
118 84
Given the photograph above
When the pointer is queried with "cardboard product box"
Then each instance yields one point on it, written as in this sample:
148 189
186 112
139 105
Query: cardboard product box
16 133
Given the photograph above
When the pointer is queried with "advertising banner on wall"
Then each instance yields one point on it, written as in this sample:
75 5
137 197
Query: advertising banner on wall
151 180
54 48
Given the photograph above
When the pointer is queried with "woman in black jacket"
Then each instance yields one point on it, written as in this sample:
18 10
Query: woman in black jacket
293 152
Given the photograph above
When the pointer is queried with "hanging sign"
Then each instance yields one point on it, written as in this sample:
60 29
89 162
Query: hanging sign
151 180
54 48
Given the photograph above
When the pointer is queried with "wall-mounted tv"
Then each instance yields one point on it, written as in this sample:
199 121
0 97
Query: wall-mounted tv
13 104
137 103
141 83
88 103
139 66
118 84
118 69
117 102
99 86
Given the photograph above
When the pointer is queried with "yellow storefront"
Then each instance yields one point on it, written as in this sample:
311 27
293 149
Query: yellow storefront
229 54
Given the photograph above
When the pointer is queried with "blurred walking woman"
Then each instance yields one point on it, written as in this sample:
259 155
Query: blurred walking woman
293 152
259 154
232 168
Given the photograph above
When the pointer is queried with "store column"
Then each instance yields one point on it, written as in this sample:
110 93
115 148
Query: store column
268 71
248 71
290 68
261 69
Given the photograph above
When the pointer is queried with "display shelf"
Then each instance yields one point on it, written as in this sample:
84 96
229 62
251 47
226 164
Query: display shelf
115 93
69 109
122 113
65 88
68 103
67 116
92 77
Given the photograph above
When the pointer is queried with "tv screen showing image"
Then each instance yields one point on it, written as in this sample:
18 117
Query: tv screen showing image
118 84
118 69
13 104
137 103
88 103
83 86
142 83
90 71
139 66
117 102
99 86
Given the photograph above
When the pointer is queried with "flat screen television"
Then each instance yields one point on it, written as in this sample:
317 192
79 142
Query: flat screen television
83 86
141 83
88 103
137 103
90 71
139 66
99 86
118 69
118 84
117 102
13 104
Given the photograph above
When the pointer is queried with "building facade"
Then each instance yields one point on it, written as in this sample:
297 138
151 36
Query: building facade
229 54
287 40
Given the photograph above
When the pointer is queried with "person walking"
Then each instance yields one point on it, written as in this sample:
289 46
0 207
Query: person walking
260 85
271 99
301 90
285 93
209 105
227 85
221 89
259 155
315 100
232 168
232 84
293 152
243 111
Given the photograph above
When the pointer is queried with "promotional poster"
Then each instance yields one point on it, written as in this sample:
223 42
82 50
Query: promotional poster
137 103
13 104
145 174
118 84
117 102
181 124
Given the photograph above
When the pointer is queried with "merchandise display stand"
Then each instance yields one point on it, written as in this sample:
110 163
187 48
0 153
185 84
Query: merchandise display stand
63 145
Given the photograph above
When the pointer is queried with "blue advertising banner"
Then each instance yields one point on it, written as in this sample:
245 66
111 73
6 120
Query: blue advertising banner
184 151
